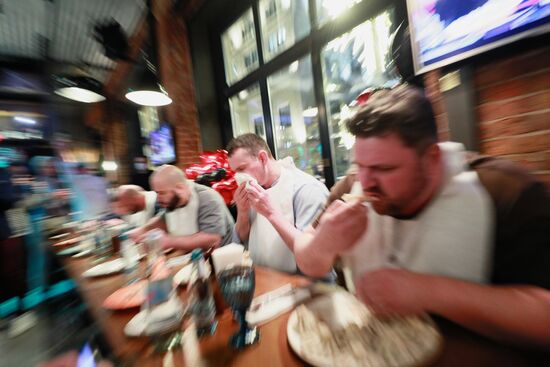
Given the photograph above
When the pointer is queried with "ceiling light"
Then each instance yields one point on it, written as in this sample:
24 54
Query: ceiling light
25 120
109 166
149 92
79 88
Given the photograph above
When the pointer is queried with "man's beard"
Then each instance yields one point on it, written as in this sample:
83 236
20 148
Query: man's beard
173 204
394 208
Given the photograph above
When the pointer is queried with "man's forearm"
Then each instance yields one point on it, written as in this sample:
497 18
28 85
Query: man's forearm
285 229
513 313
198 240
309 258
153 223
242 226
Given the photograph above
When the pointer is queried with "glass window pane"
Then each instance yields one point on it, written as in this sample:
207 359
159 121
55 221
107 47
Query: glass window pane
328 10
352 63
294 115
283 22
240 53
246 112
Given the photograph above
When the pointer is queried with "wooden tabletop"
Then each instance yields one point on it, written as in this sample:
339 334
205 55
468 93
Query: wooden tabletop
461 347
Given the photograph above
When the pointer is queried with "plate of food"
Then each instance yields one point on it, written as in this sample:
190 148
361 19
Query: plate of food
59 236
336 329
131 296
106 268
68 242
186 274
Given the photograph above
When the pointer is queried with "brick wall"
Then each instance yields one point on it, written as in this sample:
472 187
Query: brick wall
512 108
177 76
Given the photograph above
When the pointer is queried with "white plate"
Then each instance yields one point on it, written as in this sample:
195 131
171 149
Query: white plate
186 275
164 317
412 341
59 236
178 260
83 253
106 268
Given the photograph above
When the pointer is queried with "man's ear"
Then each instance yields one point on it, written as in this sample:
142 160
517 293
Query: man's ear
182 189
433 156
263 157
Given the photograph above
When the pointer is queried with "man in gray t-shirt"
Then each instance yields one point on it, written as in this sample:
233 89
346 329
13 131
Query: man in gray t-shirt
195 216
213 216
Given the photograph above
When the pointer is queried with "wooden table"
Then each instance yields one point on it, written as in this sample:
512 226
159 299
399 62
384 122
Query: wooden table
461 348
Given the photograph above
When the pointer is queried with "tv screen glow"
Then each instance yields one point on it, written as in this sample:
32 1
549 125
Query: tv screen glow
446 31
162 145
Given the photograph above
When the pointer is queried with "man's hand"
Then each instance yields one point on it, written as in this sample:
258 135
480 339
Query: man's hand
241 199
137 234
394 292
341 226
259 199
165 241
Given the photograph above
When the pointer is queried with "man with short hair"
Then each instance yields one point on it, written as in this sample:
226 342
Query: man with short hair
424 241
135 205
275 205
196 216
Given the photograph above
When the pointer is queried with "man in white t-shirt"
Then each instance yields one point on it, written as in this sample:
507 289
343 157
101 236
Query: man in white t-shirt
277 202
423 243
135 205
195 215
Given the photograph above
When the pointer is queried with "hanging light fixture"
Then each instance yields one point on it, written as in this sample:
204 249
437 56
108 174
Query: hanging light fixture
149 91
79 88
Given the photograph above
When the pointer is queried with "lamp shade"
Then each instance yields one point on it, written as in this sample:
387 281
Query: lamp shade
79 88
148 91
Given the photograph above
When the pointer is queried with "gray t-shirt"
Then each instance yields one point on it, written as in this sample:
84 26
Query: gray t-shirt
214 217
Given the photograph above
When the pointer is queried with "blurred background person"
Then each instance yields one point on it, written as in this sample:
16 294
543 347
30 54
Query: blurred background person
135 205
91 198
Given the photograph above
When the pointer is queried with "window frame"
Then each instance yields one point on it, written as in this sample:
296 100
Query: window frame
311 45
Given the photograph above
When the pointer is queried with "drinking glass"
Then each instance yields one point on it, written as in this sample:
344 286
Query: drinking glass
237 287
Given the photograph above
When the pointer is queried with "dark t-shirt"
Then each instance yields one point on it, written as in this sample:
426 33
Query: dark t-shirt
522 233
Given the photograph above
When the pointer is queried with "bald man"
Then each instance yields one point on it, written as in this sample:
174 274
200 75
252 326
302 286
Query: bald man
195 215
135 205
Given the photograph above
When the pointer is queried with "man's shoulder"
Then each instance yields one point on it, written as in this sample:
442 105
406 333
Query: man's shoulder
303 180
208 195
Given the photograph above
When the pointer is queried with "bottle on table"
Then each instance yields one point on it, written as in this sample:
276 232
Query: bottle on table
130 255
102 242
201 300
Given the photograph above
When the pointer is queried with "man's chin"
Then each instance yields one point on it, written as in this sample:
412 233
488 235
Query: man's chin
383 208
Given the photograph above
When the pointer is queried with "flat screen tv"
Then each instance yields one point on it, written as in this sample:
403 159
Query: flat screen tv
161 143
447 31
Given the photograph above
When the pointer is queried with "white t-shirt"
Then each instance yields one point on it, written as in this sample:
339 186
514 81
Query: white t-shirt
140 218
299 197
184 221
452 236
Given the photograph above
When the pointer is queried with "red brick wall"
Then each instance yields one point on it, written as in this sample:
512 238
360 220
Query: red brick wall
512 108
177 76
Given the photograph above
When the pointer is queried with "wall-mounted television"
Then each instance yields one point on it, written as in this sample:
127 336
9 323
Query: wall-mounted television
162 147
447 31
